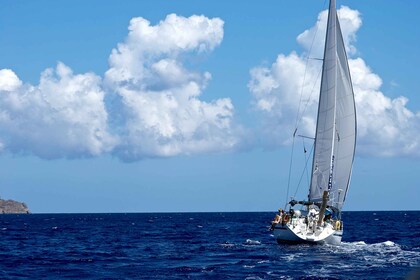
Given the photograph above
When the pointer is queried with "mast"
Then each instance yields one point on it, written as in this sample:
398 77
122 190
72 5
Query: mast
323 158
333 12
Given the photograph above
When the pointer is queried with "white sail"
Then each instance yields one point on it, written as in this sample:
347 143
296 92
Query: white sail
335 137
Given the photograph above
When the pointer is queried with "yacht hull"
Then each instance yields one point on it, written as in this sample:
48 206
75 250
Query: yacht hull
288 233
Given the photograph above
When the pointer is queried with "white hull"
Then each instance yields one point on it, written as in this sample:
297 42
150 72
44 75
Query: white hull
297 231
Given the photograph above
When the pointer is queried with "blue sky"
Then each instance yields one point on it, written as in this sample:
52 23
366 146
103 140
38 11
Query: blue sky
196 122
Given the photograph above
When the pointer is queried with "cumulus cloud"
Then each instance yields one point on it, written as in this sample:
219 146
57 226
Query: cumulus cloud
386 127
350 22
147 105
146 43
163 115
63 116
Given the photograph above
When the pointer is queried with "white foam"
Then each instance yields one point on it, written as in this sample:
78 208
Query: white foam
378 254
357 243
389 243
252 242
361 245
227 245
248 266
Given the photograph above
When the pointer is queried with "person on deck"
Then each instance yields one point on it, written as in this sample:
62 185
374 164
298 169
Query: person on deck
277 219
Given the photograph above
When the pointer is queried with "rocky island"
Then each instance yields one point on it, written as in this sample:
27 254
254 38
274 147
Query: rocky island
13 207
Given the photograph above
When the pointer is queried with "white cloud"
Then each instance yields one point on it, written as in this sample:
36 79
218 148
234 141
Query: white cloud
386 127
63 116
146 43
276 96
350 22
163 115
147 105
8 80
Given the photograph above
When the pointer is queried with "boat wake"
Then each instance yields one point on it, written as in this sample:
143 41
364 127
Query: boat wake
378 254
366 257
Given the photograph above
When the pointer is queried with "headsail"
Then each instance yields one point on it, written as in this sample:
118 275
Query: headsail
335 137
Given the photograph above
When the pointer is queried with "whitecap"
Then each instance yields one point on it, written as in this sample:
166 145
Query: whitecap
252 242
227 244
318 272
379 254
289 257
357 243
389 243
248 266
199 226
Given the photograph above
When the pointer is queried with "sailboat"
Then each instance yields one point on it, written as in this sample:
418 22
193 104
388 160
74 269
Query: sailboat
319 218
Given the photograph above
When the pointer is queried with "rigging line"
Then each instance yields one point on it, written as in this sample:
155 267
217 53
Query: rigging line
309 99
298 119
307 169
306 159
314 58
290 168
304 169
317 77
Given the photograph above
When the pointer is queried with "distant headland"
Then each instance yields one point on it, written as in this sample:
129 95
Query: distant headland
13 207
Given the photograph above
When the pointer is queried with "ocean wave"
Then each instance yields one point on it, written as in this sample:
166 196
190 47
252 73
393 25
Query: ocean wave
227 245
248 266
361 245
252 242
378 254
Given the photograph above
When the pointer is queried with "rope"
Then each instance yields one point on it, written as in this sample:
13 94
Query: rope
304 169
298 119
290 169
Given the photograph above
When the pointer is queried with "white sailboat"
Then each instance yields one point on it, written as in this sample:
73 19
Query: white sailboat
319 220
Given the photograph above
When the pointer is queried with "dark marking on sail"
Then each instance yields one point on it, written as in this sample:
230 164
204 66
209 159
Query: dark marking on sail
331 174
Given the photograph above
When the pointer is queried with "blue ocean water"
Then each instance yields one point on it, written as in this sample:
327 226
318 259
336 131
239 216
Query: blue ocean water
376 245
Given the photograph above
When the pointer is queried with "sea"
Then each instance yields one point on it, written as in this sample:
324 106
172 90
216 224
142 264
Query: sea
376 245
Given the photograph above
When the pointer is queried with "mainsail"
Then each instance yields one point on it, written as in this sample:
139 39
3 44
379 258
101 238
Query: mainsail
335 137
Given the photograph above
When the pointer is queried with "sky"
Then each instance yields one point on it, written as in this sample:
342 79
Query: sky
179 106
